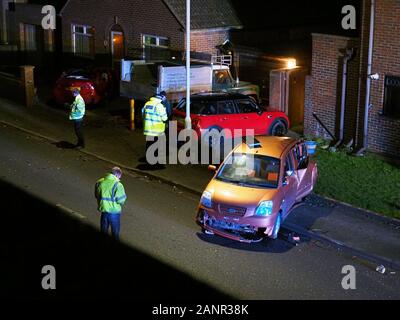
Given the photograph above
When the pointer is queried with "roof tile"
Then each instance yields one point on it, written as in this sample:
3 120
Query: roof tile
205 14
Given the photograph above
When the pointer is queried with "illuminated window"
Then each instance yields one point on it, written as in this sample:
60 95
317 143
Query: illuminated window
83 40
391 105
154 47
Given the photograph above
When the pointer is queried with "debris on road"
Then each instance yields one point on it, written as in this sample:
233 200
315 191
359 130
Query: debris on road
381 269
293 238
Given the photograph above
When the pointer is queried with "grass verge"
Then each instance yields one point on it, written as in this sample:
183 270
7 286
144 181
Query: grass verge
366 182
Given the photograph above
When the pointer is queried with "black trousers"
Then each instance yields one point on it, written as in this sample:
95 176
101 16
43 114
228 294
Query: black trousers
78 127
156 153
149 144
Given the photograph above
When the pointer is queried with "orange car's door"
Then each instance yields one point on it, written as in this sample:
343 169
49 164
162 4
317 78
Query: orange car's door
303 171
289 186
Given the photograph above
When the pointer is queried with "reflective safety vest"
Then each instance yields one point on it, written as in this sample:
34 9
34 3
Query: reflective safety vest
110 194
154 116
77 108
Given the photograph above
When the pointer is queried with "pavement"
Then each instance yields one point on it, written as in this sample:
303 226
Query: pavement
361 233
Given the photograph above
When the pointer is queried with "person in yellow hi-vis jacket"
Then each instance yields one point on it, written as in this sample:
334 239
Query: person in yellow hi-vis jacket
76 115
154 119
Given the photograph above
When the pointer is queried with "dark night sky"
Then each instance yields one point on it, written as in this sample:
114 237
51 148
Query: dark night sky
57 3
264 14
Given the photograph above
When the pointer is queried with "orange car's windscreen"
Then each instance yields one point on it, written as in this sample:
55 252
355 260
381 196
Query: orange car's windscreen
250 170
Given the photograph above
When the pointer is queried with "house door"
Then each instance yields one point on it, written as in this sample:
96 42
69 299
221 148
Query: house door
117 46
117 53
287 93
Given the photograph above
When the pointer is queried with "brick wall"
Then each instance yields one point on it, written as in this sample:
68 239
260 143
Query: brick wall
43 58
134 16
324 87
28 14
206 41
4 4
310 125
384 132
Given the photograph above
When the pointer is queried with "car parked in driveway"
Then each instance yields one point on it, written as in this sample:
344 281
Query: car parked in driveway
255 189
230 111
95 86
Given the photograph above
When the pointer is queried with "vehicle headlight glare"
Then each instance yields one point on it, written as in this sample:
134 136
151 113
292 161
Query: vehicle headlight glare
265 208
206 199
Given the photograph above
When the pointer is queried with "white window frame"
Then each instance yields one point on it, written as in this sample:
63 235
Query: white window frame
157 45
86 33
386 87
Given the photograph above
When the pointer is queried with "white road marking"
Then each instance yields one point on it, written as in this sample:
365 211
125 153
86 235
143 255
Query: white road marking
70 211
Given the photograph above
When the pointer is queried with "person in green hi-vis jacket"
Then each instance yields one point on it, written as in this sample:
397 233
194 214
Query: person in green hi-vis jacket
110 195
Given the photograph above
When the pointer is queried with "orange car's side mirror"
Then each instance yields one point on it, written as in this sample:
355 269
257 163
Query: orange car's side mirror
212 168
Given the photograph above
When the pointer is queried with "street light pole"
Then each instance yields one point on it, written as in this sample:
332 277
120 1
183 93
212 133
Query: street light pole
188 120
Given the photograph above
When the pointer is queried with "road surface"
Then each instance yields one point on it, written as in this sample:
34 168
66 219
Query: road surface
49 218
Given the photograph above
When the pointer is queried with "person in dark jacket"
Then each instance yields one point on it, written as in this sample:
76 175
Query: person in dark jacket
167 105
168 108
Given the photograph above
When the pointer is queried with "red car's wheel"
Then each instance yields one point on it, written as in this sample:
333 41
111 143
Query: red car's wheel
278 128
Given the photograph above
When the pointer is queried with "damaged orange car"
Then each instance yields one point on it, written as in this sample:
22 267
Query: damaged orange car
255 189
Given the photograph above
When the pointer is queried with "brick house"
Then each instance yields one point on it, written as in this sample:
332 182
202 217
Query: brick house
4 8
102 32
211 22
110 30
27 41
324 86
